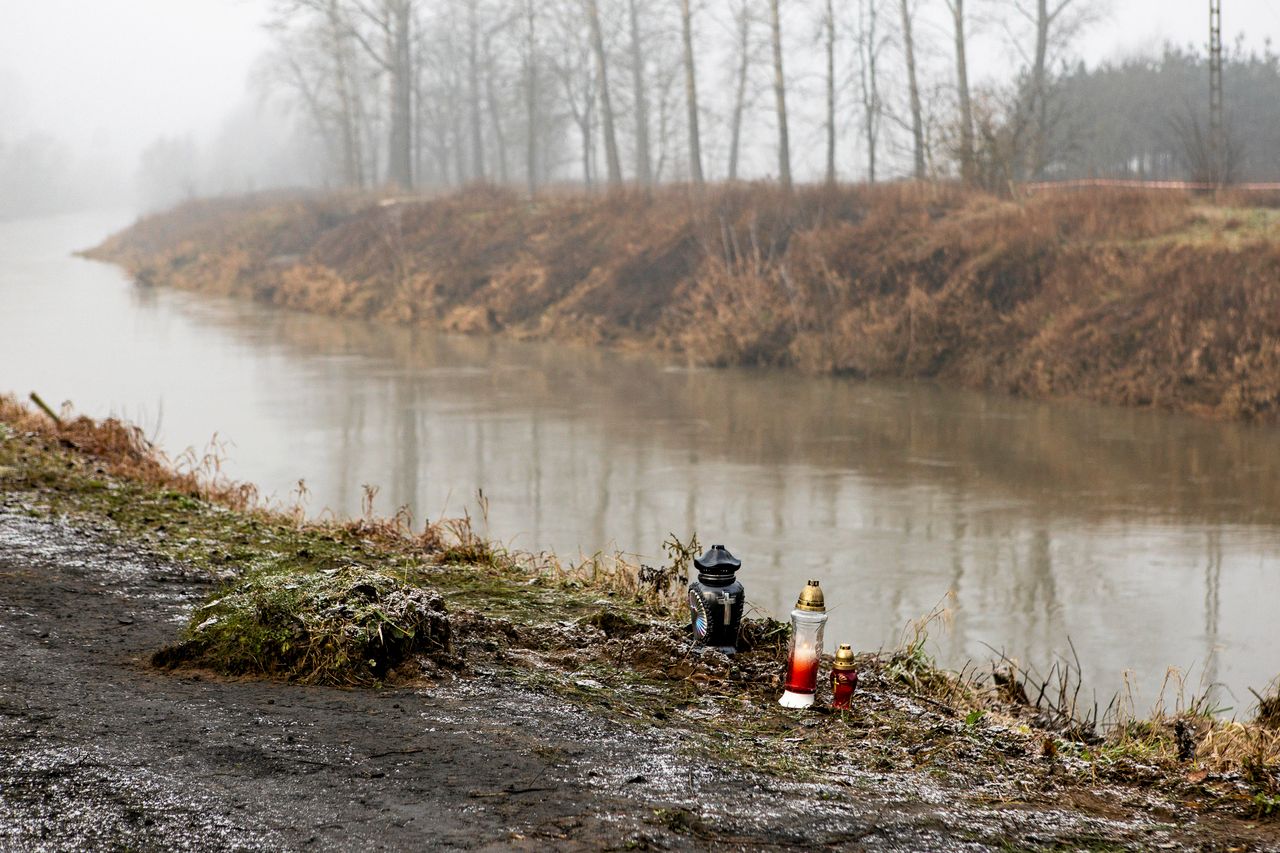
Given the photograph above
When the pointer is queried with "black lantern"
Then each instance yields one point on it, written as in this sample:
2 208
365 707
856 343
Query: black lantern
716 599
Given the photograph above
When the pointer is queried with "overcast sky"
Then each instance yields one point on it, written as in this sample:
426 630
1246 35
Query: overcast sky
117 73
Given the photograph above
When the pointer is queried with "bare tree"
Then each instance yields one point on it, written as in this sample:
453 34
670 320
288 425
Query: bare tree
829 32
665 87
316 59
431 134
780 98
574 68
392 21
1207 161
742 26
1054 23
956 7
868 80
644 169
531 96
492 73
606 107
691 94
913 88
473 90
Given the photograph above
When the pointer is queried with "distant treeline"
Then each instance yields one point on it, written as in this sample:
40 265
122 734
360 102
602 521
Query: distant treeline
604 92
1148 118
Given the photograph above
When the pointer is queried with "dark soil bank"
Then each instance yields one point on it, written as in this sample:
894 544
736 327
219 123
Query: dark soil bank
1146 300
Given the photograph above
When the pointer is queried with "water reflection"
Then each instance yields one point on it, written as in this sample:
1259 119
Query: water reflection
1149 540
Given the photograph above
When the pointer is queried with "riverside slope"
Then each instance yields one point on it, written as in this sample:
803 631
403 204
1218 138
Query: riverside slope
579 715
1112 296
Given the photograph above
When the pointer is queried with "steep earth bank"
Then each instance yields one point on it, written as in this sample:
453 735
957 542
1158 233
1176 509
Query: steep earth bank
1119 297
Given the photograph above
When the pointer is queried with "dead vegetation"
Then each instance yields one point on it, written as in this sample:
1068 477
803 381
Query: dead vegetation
123 450
1114 296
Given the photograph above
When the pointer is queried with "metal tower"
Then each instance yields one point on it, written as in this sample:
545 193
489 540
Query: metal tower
1217 142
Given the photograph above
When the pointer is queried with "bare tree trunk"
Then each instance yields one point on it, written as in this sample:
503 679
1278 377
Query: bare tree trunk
458 136
606 108
473 91
829 23
1039 85
495 111
868 51
644 171
370 131
400 154
531 99
352 158
394 20
740 93
425 159
691 95
780 98
589 143
962 87
1044 18
913 87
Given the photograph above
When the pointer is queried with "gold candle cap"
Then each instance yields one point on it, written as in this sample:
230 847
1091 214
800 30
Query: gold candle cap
844 658
811 598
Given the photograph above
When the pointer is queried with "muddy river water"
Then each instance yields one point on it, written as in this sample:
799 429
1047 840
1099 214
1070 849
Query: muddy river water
1143 539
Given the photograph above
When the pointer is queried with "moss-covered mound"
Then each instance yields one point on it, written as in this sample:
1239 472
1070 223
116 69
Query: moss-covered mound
347 625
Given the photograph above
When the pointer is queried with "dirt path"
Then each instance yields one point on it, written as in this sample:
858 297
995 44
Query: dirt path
97 751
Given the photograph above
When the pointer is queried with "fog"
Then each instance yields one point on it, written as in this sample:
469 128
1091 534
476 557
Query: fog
139 103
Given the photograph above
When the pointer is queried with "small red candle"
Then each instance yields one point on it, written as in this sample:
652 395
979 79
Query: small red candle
844 678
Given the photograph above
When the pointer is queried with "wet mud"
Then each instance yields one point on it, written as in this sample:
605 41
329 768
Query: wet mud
99 750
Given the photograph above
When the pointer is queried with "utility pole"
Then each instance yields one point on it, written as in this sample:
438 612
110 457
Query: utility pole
1217 142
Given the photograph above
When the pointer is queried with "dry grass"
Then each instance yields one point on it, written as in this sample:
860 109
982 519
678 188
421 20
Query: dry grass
1269 706
1116 296
660 589
1184 734
123 450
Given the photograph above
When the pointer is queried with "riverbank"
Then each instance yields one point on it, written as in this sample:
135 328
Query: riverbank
518 657
1113 296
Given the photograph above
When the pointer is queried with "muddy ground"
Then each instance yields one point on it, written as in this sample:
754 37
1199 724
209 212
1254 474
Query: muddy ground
99 750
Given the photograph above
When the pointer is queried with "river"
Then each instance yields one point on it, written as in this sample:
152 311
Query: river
1145 540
